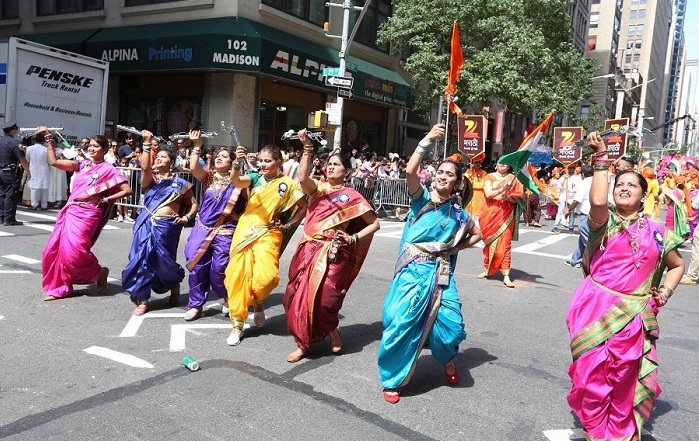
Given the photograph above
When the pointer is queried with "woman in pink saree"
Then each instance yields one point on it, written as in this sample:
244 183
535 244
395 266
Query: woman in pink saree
612 315
67 258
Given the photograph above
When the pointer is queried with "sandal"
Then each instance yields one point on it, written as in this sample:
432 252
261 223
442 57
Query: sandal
174 295
102 280
482 275
508 283
452 378
335 341
295 356
141 308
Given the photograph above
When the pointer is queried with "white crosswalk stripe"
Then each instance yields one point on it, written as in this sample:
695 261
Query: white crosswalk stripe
32 220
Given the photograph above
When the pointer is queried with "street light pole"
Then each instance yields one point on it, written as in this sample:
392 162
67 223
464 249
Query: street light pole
345 42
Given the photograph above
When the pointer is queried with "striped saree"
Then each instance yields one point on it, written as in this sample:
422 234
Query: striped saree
613 328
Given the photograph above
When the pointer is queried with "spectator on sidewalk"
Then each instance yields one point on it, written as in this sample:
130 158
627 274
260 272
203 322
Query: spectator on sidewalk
40 172
581 199
693 272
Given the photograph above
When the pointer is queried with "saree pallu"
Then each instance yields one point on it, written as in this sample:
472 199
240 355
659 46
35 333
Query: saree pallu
153 256
499 223
209 243
317 286
253 270
676 216
613 329
477 202
67 258
422 307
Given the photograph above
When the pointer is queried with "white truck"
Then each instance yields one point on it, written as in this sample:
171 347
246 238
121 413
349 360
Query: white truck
42 85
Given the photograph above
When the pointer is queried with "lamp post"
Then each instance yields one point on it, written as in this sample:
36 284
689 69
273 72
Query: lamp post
345 42
609 75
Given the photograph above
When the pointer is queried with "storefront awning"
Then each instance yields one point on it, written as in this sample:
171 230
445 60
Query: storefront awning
238 44
73 41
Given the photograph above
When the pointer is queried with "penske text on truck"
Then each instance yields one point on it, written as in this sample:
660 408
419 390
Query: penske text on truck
54 88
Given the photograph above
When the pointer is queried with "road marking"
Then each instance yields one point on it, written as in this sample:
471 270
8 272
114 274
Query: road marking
178 333
14 272
37 215
119 357
38 226
2 234
2 317
135 321
22 259
543 242
572 434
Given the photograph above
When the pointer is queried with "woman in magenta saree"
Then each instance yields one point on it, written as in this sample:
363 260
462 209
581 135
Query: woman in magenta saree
338 230
67 258
612 315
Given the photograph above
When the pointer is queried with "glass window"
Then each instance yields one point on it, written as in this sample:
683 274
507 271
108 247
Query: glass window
636 58
313 11
641 14
643 2
627 58
632 30
629 44
9 9
594 20
639 29
634 15
146 2
584 111
53 7
638 44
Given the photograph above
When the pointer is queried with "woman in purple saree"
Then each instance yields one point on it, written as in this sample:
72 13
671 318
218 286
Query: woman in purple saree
612 315
209 244
67 258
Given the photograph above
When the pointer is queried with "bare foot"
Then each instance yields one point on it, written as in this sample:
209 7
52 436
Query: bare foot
102 281
295 356
335 341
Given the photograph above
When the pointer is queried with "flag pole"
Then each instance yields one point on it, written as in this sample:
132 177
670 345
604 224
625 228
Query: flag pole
446 128
440 109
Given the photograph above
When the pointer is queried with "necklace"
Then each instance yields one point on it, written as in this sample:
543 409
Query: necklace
633 237
220 184
442 221
336 187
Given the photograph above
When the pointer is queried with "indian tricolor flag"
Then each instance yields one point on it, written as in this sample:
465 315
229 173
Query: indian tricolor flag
518 160
675 165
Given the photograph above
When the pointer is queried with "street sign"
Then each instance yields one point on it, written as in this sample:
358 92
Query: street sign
345 93
331 71
344 82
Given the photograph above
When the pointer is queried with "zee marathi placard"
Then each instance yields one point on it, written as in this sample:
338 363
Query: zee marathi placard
564 139
472 132
616 144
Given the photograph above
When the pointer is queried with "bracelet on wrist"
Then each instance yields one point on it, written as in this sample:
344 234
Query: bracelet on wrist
105 201
424 143
601 168
356 237
669 290
236 166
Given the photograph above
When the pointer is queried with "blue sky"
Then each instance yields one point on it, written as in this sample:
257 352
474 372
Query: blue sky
691 36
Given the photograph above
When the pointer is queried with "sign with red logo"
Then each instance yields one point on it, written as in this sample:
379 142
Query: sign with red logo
616 144
472 133
564 139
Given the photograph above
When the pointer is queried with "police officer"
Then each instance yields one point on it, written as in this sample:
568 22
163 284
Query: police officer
10 158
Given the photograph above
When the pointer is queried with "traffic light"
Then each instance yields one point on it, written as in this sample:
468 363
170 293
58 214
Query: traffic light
318 119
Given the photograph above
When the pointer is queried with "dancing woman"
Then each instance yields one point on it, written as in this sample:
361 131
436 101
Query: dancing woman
422 307
499 221
209 242
612 315
67 258
253 270
338 230
169 204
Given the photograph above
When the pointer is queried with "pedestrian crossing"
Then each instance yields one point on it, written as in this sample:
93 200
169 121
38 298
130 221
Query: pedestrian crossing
41 221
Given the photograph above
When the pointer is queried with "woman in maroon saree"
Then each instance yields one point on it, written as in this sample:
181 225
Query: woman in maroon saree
338 230
67 258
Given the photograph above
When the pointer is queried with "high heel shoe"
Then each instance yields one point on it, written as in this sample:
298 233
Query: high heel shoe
451 378
335 341
391 395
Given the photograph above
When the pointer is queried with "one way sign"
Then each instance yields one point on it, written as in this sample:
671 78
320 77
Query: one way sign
344 82
345 93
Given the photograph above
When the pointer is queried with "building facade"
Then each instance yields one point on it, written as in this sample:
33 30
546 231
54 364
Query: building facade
645 47
177 65
602 47
675 68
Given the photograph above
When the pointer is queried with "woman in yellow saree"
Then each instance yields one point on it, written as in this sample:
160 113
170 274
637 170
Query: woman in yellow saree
253 270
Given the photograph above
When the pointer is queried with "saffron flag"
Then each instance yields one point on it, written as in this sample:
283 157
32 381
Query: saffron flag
518 160
456 62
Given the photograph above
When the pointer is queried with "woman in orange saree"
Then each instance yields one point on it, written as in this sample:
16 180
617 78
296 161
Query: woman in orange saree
338 230
499 221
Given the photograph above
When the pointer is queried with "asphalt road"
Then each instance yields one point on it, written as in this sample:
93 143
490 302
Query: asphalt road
60 381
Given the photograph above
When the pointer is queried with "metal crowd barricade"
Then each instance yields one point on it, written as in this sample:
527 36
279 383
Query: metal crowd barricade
384 193
133 176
